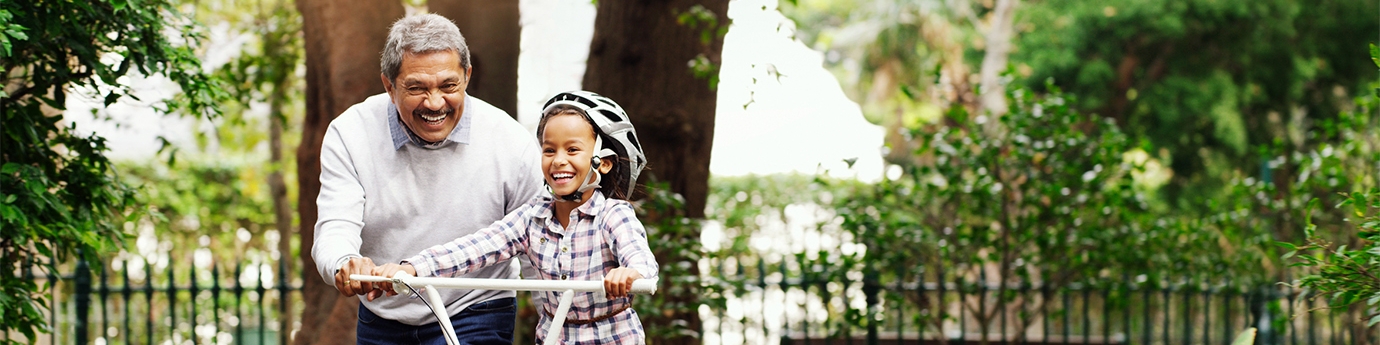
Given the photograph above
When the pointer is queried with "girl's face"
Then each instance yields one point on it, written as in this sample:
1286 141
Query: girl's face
567 147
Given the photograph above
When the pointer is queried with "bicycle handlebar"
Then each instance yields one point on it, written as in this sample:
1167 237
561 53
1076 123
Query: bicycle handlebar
640 286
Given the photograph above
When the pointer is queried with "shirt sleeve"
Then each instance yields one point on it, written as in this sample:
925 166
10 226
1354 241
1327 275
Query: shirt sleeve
340 208
495 244
630 240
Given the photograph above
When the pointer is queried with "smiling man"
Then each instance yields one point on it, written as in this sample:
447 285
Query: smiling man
422 164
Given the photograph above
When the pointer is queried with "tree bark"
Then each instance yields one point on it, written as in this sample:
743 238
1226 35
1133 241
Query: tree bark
998 38
342 58
639 57
282 210
493 32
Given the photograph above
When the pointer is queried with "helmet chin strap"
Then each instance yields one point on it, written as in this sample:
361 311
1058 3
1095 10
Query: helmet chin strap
593 174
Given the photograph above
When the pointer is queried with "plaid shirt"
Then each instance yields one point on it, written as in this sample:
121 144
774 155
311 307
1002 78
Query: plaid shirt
604 234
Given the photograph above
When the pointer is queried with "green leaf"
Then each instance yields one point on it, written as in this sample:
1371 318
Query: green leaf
1375 55
1246 337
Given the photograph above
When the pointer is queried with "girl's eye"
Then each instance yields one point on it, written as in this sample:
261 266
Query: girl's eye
572 149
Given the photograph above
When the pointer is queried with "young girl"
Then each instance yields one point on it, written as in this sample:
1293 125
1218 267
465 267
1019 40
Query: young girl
584 230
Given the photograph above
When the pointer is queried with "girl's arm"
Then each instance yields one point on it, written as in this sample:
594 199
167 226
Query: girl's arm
500 241
630 240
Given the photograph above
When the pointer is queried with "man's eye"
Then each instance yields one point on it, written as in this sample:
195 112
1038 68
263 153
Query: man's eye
416 90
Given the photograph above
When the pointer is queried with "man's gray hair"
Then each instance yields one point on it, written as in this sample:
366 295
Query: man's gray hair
419 34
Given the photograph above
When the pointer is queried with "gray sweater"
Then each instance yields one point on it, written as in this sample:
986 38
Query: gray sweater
387 199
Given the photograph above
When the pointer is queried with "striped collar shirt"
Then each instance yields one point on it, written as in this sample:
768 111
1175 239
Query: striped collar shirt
402 135
604 234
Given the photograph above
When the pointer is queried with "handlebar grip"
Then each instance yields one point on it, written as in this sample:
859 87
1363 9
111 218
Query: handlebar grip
644 286
398 286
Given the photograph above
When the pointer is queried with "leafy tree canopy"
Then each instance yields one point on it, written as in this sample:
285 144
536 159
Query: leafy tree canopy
1208 81
59 195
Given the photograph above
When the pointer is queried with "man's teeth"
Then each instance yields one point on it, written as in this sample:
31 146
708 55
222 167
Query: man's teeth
436 118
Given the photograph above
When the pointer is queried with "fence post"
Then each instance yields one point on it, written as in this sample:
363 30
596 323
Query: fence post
83 278
871 288
871 284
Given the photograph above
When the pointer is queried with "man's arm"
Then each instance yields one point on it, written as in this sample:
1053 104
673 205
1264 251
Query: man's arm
524 187
340 215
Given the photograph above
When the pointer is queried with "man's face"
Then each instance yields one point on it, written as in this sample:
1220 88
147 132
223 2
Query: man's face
429 93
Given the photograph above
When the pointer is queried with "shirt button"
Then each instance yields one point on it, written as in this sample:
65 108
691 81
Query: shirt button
563 276
565 249
543 240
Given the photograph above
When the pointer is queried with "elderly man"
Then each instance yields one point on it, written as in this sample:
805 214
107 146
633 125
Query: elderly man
423 164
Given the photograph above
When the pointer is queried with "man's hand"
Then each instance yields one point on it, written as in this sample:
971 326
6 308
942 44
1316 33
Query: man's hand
348 287
388 271
619 281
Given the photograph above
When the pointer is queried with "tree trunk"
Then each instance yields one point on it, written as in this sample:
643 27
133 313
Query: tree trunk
998 38
282 210
639 56
342 50
493 32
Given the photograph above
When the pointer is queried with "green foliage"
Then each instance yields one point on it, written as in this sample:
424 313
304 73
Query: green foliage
710 29
1342 265
1206 80
1055 196
681 292
59 196
1345 274
197 198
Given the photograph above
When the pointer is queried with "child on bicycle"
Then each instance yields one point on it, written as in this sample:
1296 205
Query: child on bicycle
584 230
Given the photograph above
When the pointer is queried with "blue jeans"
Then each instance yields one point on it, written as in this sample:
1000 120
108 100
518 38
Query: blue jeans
483 323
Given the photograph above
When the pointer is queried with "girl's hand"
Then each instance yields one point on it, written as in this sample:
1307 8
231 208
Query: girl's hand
619 281
388 271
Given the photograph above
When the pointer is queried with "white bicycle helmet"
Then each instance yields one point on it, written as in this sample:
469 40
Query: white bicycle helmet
611 121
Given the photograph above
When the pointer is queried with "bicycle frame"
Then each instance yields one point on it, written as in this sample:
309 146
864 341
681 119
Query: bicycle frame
402 282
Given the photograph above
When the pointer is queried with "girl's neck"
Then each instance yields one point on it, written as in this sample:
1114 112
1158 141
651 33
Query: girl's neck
564 208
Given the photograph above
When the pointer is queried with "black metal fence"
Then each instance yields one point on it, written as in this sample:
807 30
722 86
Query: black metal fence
765 304
172 305
769 304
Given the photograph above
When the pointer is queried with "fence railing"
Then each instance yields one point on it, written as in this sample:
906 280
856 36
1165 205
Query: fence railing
768 304
149 305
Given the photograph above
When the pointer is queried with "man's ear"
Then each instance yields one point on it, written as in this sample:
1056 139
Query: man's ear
605 165
387 84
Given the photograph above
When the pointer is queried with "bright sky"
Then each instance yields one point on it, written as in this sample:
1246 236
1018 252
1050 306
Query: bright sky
801 122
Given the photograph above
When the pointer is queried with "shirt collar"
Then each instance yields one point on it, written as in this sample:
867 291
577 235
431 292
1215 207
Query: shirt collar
590 208
402 135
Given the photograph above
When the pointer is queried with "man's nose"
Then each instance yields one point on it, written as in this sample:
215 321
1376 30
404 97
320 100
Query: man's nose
434 101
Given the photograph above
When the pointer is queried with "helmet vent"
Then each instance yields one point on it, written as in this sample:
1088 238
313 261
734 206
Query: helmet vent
611 115
632 137
588 103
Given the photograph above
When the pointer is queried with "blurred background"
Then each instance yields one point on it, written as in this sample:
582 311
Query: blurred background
848 171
